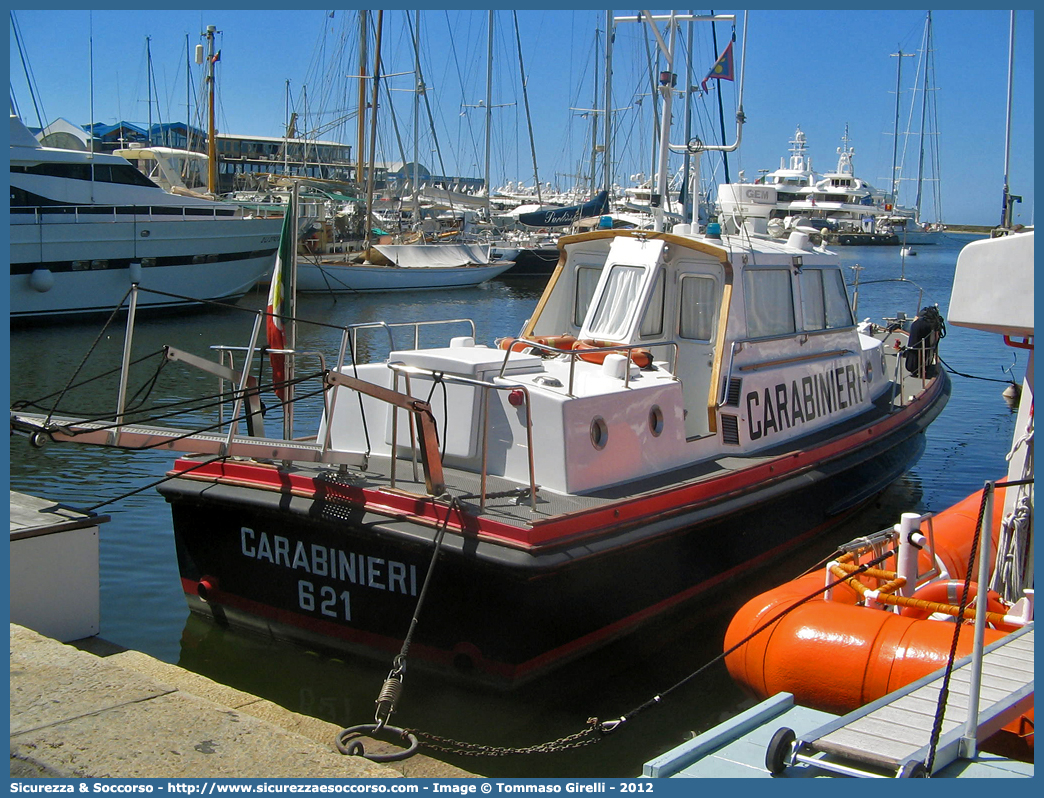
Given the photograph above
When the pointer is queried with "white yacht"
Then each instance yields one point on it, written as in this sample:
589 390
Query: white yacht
86 226
845 207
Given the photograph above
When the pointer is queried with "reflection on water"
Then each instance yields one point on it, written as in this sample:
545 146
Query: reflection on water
143 607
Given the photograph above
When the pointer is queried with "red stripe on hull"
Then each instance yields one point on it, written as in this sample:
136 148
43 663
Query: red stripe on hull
420 509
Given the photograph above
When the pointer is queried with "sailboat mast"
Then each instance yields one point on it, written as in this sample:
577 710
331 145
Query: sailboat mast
925 55
489 110
607 181
1006 214
373 128
667 78
148 80
361 116
594 117
525 97
899 56
211 130
416 119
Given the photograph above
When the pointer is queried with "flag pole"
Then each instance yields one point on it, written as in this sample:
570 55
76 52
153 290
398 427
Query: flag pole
291 314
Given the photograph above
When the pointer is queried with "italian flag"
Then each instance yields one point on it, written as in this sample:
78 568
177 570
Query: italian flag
277 293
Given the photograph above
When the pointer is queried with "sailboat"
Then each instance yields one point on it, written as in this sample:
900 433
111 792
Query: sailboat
397 266
908 222
681 407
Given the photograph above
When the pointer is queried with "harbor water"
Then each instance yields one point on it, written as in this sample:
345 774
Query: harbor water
143 606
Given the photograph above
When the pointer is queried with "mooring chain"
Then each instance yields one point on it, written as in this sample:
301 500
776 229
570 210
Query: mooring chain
595 731
589 736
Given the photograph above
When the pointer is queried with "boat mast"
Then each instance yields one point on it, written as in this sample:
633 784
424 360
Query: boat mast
489 110
607 180
529 118
594 119
1008 198
361 117
899 56
211 131
925 56
416 119
148 80
694 146
686 189
373 127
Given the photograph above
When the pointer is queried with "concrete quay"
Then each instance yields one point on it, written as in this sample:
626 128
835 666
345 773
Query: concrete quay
92 710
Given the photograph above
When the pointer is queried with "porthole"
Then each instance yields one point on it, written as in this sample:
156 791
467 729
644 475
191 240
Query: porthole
656 421
599 433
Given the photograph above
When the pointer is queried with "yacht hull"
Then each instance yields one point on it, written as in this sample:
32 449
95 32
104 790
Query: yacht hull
83 265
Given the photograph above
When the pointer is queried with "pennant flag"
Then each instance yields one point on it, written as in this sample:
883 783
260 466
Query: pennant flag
216 57
722 69
277 292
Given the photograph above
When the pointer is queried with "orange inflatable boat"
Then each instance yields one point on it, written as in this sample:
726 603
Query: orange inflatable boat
871 634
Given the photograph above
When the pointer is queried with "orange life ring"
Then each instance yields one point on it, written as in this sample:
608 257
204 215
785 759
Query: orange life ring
948 591
564 342
640 357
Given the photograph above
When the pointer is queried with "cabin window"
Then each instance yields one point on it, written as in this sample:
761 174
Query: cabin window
125 173
652 324
698 307
769 301
586 282
616 305
824 300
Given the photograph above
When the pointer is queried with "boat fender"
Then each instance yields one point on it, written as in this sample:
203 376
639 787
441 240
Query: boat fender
640 357
205 587
41 280
948 591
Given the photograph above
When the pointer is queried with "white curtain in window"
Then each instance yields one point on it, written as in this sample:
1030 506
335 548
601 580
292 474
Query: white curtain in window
617 304
769 301
698 308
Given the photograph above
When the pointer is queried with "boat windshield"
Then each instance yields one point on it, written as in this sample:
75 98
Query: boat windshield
618 303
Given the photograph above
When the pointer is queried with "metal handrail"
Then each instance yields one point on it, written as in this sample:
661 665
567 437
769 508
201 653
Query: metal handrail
487 387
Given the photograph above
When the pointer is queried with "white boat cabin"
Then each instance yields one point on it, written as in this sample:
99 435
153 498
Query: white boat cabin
751 345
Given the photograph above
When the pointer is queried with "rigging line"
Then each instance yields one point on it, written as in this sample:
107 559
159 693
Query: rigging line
952 370
21 404
165 416
944 690
165 478
90 351
27 69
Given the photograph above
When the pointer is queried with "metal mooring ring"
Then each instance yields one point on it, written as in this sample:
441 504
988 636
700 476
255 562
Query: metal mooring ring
348 742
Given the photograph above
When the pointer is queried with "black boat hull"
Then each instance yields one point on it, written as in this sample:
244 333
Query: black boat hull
330 574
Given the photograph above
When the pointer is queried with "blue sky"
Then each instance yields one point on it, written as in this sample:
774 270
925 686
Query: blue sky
817 69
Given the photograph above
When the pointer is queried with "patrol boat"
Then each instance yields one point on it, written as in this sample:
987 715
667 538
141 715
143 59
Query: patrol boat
681 407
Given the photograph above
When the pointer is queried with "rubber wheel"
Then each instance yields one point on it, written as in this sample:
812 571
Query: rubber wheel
779 750
913 770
